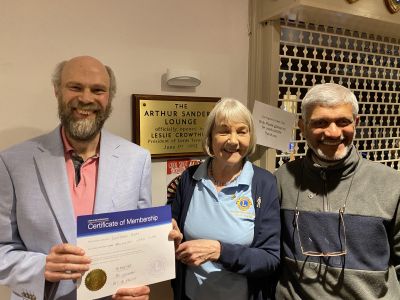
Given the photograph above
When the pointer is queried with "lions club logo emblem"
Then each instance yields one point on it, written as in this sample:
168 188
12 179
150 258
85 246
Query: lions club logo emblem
244 203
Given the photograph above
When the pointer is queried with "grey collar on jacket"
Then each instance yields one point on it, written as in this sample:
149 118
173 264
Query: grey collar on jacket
346 167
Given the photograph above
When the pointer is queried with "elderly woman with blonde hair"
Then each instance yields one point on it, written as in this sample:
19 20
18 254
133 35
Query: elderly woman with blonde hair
227 210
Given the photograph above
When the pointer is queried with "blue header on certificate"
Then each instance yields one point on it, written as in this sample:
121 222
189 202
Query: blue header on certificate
123 220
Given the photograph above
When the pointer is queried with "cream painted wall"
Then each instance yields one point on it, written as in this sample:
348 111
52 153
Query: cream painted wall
140 39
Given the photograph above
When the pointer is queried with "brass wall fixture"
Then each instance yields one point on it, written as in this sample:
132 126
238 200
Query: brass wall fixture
393 5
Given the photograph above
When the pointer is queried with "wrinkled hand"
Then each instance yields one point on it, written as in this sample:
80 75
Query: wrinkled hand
196 252
137 293
175 234
65 261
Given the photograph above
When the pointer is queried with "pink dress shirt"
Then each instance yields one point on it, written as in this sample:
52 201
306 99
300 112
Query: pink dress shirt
83 194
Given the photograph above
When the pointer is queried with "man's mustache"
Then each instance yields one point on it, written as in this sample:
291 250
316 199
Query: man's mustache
84 106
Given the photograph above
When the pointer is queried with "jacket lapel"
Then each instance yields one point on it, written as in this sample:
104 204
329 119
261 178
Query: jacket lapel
52 171
109 166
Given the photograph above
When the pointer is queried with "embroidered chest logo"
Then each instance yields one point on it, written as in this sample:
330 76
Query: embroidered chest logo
243 203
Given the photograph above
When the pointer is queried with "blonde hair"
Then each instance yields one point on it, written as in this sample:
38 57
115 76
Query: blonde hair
229 110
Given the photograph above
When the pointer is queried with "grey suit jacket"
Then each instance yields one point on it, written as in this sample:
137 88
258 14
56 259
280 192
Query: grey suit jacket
36 210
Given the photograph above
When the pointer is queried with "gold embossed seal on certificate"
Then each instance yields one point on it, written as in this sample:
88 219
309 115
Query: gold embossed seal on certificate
95 280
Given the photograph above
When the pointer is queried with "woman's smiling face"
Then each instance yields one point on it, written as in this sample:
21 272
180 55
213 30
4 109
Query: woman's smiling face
230 141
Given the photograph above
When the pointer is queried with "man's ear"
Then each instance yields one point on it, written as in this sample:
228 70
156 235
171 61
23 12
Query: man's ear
56 91
301 125
357 120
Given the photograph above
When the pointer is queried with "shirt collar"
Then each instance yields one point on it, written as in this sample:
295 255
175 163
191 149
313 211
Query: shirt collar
201 172
68 149
244 178
67 145
343 169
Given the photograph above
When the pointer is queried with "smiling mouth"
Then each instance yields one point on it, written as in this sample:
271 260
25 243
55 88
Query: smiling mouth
332 143
84 112
231 150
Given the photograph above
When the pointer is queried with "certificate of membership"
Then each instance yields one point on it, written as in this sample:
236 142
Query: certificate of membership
127 249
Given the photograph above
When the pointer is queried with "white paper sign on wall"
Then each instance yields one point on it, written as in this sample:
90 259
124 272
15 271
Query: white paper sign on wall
273 126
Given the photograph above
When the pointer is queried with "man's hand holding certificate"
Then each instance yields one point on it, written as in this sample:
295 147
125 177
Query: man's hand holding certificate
127 249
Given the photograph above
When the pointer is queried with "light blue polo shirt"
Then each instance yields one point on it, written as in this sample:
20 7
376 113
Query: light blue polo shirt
227 216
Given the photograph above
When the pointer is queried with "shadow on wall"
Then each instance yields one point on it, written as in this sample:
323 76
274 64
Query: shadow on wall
11 136
4 293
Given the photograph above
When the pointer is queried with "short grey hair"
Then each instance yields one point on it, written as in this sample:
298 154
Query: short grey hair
56 78
229 110
327 94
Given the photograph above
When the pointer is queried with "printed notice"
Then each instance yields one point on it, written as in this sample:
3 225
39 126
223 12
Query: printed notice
127 249
273 126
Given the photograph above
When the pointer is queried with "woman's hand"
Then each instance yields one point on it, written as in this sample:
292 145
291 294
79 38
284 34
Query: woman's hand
175 234
196 252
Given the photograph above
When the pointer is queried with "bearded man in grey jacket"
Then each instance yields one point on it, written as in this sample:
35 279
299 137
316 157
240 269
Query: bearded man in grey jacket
340 212
48 181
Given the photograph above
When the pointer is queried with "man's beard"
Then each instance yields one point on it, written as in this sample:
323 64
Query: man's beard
85 129
318 152
321 155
